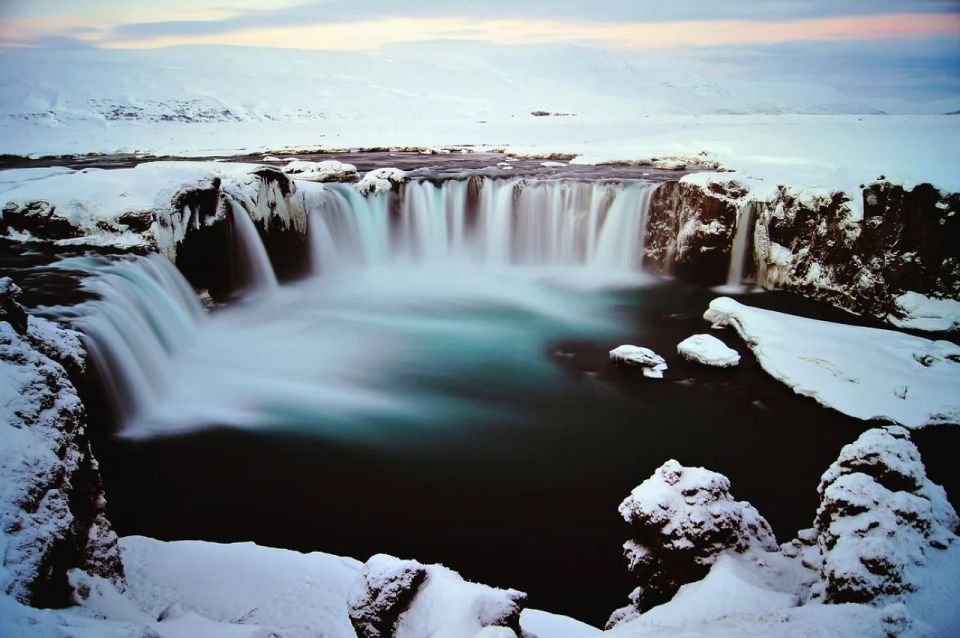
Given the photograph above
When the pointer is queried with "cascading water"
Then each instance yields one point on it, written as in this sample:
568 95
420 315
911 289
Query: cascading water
145 314
741 244
432 288
540 223
253 254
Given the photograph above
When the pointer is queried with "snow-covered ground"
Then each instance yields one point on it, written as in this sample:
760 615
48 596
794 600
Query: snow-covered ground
867 373
202 101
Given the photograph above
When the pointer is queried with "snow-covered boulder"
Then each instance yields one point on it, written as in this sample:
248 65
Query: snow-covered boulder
683 519
866 373
396 598
708 350
880 518
381 180
653 364
325 171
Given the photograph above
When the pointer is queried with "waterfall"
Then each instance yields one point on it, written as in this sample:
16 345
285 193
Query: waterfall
601 225
623 237
145 313
256 262
323 251
741 241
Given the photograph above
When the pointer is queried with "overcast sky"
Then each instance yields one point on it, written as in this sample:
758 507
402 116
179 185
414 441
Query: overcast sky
905 48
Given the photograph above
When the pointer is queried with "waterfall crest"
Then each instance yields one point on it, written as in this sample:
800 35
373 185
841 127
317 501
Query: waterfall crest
513 222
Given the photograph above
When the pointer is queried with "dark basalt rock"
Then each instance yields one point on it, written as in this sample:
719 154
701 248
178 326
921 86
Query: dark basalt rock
40 219
385 590
10 308
690 230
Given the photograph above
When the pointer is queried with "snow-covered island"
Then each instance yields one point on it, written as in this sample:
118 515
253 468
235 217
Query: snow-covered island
328 335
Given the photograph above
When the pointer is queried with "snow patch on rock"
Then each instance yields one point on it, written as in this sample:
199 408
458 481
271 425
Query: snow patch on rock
325 171
653 364
396 598
708 350
381 180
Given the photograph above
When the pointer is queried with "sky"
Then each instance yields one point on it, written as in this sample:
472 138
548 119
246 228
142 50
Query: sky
902 48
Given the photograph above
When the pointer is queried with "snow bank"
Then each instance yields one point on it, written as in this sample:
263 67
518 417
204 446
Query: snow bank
866 373
708 350
298 595
381 180
920 312
653 364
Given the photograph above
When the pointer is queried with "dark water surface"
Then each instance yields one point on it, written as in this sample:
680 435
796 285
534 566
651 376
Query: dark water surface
526 502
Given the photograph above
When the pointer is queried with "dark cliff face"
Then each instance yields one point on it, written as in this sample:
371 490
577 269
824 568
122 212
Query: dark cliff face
816 245
691 229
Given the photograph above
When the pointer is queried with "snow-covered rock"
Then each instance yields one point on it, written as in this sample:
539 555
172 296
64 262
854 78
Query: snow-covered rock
51 502
683 519
396 598
920 312
880 518
152 205
325 171
866 373
653 364
708 350
381 180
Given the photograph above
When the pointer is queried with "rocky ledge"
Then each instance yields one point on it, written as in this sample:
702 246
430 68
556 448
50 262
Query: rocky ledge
888 252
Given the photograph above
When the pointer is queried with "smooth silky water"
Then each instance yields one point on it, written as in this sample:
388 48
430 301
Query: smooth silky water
438 389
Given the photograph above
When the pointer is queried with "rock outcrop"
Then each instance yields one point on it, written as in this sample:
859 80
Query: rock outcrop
51 502
691 229
682 519
879 520
823 245
396 598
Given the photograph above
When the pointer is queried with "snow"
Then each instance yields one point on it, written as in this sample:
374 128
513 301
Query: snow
430 600
925 313
381 180
628 108
867 373
543 624
94 201
297 594
708 350
652 363
325 171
